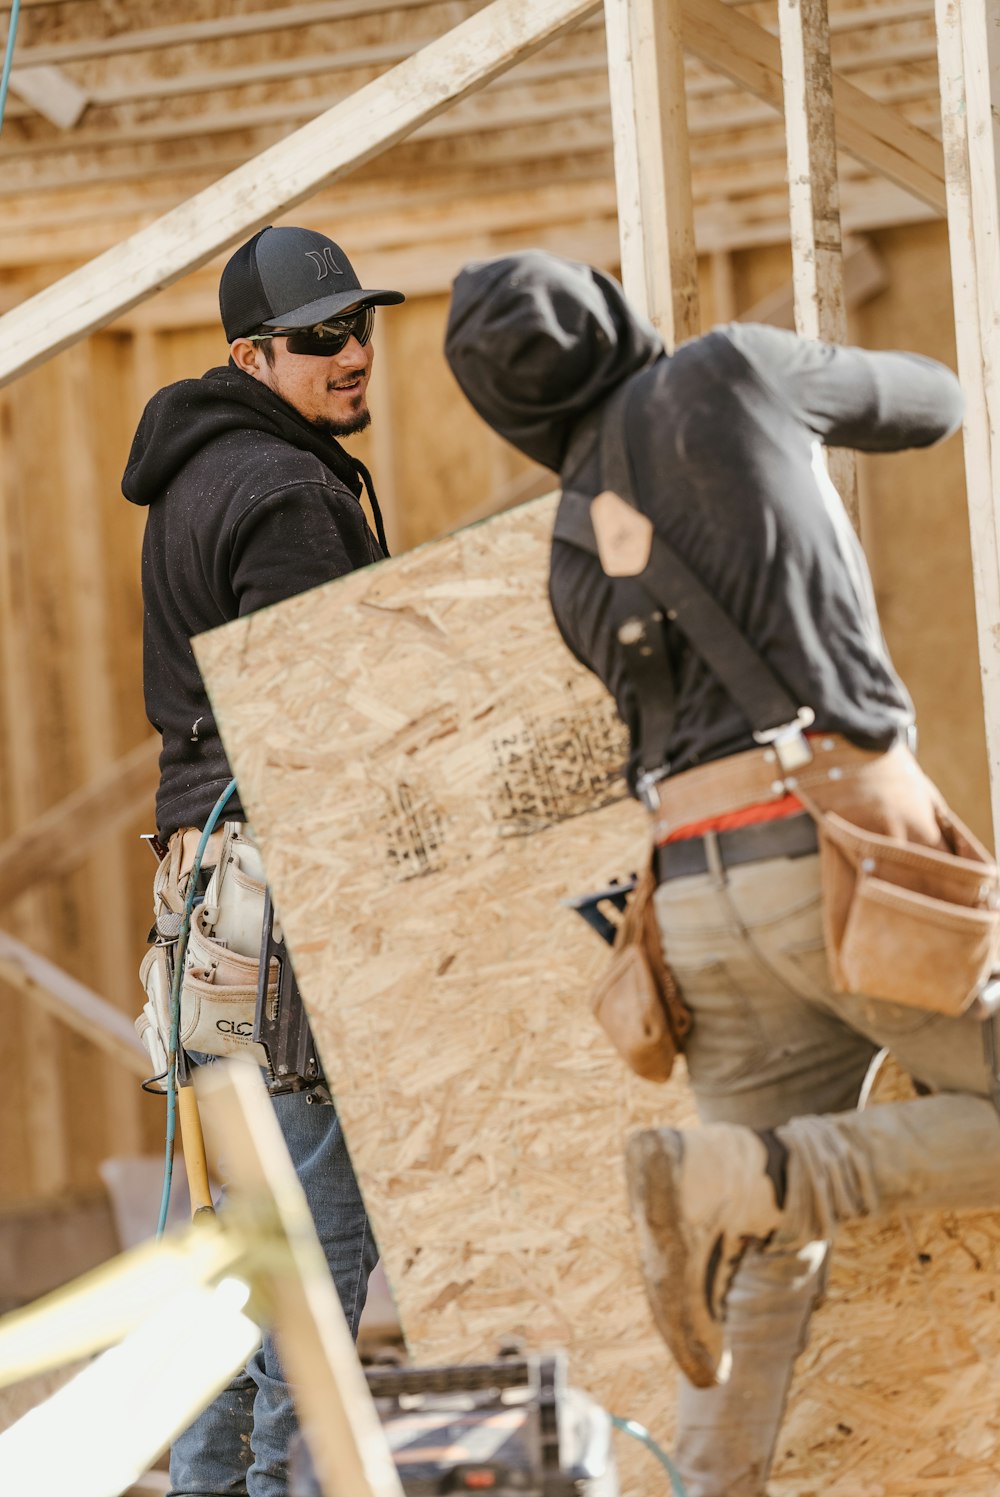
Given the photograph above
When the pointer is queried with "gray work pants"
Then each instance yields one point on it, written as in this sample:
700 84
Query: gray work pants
774 1047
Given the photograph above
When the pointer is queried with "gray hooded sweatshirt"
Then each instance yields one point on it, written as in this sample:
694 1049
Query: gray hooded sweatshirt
724 438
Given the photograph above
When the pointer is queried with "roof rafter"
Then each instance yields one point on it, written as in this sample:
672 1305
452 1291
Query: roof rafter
379 115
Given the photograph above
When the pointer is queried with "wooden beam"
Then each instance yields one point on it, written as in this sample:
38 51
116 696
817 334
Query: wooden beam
491 111
969 52
814 201
338 141
865 276
876 135
338 75
814 197
105 950
578 54
60 839
223 28
217 140
583 53
37 1113
136 83
59 995
50 92
652 163
109 123
418 210
429 268
226 28
349 1449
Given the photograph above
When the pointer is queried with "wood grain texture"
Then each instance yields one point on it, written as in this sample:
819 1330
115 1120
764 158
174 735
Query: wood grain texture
429 775
814 199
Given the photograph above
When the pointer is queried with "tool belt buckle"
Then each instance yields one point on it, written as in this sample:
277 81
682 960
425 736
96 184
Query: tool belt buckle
986 1004
788 741
645 787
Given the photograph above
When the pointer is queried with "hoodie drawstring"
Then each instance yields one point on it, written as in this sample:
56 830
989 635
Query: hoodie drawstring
379 527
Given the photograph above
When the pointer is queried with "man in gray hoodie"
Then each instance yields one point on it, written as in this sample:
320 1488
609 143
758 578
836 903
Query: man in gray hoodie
723 451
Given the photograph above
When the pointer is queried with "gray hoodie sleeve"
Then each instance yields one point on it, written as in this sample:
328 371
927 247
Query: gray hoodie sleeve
851 397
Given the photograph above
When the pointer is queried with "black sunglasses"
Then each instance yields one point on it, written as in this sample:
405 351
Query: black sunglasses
325 338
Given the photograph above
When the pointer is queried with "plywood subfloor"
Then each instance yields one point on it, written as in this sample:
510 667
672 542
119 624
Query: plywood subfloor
430 775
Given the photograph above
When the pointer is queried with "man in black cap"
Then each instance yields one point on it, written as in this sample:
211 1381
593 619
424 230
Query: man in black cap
251 498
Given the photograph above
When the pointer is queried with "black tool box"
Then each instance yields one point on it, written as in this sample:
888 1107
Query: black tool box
510 1428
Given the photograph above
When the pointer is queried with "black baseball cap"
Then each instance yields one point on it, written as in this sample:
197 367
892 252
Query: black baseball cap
290 278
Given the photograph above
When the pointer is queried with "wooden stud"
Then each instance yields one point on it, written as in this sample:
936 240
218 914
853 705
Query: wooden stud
652 164
384 437
814 198
56 995
104 897
969 51
723 278
817 252
337 141
349 1449
59 840
33 1034
865 275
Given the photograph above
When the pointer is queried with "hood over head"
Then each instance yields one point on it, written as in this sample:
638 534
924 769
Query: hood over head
535 341
183 418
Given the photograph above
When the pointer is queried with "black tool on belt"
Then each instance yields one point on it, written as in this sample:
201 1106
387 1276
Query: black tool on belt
281 1023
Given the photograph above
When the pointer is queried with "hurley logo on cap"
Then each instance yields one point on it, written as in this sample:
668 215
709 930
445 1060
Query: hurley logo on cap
293 276
325 263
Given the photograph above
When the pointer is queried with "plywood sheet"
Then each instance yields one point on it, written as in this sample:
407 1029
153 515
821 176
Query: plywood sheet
430 775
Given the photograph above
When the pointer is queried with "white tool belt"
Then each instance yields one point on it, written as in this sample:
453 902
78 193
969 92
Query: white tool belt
218 997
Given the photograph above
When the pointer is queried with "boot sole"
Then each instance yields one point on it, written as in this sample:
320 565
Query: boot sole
652 1167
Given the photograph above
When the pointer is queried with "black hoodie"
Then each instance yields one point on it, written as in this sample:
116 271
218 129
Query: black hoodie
724 439
248 504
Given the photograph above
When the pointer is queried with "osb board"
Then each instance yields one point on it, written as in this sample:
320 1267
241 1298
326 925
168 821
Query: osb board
430 775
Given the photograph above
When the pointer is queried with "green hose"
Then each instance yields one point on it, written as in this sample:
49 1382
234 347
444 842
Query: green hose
640 1433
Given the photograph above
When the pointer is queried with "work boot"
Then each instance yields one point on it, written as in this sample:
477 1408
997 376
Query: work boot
699 1199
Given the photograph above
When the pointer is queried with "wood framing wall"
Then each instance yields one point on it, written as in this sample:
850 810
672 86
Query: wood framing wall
70 622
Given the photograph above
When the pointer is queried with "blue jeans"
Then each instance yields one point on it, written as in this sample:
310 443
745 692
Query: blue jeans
239 1445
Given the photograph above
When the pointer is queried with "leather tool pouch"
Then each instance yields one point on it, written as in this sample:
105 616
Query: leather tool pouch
637 1002
218 997
908 923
